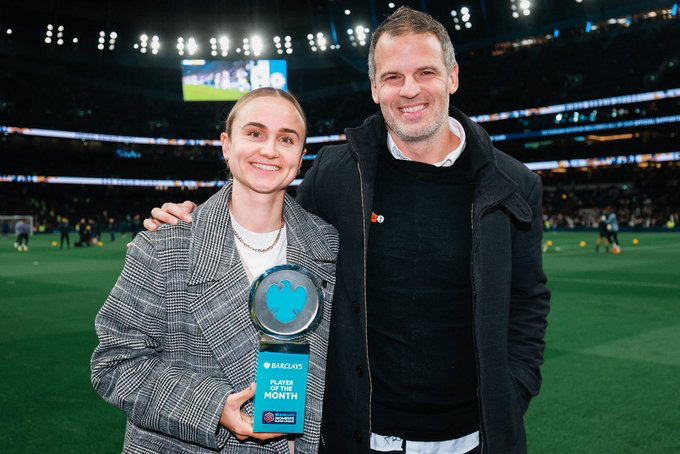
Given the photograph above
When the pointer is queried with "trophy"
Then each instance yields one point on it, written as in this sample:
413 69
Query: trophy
285 302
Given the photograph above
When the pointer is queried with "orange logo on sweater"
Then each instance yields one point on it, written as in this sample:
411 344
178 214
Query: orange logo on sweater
379 218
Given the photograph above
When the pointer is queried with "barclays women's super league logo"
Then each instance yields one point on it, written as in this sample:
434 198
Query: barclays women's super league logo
284 302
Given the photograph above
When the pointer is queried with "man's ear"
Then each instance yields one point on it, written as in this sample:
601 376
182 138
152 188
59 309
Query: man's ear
453 79
374 93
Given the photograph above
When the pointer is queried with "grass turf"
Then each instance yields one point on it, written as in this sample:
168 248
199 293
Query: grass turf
610 376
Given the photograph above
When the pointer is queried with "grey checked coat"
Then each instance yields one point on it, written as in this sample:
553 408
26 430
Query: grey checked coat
175 336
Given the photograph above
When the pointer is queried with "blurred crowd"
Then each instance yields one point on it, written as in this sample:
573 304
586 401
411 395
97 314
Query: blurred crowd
641 197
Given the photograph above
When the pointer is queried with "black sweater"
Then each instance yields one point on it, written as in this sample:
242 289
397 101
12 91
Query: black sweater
419 307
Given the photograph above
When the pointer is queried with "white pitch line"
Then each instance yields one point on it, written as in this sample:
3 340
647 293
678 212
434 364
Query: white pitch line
607 282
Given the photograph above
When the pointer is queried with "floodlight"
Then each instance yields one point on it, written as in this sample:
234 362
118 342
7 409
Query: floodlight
390 5
347 12
192 46
114 35
9 31
287 39
289 51
144 37
213 40
277 39
75 40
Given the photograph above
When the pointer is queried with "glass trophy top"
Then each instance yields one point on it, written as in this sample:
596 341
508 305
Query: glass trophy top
285 301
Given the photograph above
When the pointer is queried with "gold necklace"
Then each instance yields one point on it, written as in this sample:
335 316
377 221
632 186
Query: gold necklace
269 248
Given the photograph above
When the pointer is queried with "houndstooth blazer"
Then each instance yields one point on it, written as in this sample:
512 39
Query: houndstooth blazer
175 335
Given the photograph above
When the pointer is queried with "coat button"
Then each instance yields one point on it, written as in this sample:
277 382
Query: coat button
356 308
360 371
324 283
357 436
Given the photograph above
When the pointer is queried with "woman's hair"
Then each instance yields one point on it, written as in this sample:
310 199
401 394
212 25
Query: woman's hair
259 93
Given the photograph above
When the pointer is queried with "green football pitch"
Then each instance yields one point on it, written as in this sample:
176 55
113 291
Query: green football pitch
209 93
611 374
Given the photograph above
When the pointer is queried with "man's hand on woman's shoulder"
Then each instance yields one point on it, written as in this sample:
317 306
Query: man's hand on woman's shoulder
169 213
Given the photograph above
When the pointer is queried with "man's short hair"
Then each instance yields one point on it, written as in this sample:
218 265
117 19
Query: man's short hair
408 20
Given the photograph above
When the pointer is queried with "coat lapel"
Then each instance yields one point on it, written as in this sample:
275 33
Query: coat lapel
218 276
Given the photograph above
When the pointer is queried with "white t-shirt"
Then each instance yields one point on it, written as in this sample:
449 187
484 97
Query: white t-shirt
255 262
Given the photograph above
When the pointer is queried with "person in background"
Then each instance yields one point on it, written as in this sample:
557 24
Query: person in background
22 231
602 234
613 228
64 230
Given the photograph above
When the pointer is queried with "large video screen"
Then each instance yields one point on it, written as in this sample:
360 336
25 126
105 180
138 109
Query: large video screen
219 80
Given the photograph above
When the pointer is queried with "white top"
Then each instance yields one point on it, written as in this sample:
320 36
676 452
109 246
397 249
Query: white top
463 444
454 126
255 262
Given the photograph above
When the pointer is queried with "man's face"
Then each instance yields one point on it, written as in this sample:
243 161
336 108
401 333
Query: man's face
412 85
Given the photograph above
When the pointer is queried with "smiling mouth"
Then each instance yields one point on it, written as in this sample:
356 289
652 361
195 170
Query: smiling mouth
412 109
266 167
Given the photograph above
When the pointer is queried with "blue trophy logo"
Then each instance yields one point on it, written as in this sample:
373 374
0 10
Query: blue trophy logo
284 302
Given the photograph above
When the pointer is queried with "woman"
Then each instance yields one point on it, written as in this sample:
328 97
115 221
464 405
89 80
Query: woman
177 348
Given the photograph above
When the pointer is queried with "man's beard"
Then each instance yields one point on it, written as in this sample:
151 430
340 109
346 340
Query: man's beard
409 137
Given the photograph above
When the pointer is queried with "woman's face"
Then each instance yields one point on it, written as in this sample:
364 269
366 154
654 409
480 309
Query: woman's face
266 145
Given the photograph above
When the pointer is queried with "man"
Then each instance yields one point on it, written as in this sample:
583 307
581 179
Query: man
613 229
22 230
440 306
64 231
602 234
